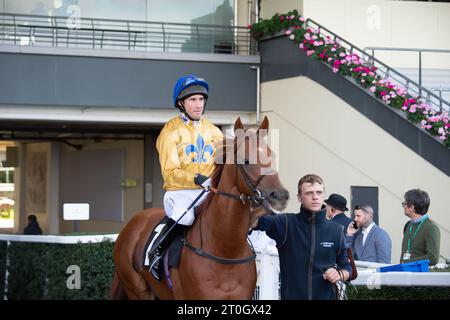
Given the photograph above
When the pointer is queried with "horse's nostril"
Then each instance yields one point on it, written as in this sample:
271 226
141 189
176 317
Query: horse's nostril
279 195
275 195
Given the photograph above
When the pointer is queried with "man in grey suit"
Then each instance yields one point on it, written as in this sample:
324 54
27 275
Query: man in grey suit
373 243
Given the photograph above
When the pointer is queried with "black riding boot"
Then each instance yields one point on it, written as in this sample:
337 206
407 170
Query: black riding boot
155 260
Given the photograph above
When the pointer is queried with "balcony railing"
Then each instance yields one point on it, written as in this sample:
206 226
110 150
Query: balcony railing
412 87
67 32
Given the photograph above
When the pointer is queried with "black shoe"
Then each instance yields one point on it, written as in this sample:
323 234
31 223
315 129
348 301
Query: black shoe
155 261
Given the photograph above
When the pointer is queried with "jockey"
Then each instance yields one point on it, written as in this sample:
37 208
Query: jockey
186 147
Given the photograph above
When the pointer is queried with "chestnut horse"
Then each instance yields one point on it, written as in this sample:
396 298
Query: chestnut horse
241 191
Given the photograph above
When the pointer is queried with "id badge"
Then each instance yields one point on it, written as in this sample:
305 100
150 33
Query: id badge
406 256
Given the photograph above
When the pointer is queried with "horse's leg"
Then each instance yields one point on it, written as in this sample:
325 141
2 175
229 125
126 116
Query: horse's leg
117 292
137 282
134 284
128 276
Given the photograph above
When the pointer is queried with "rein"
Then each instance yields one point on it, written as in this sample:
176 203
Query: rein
256 199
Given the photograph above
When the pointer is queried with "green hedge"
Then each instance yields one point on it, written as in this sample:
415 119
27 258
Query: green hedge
2 267
39 270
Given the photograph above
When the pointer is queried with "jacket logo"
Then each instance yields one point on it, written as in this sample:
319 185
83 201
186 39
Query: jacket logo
200 150
327 244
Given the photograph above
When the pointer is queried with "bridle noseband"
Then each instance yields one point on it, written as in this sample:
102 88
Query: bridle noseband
256 197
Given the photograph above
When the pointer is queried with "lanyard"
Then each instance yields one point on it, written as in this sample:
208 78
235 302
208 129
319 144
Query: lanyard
415 233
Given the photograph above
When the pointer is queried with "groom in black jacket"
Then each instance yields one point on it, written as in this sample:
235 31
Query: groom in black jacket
311 249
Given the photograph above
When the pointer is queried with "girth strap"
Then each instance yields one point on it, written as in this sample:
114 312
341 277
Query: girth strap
204 254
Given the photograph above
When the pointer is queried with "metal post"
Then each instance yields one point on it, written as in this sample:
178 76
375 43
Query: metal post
420 72
129 35
164 37
93 33
258 92
76 226
15 31
198 39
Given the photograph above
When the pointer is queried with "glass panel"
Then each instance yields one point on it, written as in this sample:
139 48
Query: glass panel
114 9
218 12
27 7
7 194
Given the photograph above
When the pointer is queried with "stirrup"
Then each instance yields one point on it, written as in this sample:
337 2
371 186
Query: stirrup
155 265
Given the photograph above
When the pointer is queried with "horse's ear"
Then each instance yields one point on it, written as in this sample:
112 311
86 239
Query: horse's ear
238 124
264 125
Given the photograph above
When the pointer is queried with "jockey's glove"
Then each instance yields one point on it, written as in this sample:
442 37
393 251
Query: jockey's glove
202 181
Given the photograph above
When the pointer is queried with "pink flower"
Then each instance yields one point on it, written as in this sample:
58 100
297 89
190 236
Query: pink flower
309 52
333 49
291 17
288 32
404 108
301 46
372 89
383 93
335 70
321 55
292 37
302 19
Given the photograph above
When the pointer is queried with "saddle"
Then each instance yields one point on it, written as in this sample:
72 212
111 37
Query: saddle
171 255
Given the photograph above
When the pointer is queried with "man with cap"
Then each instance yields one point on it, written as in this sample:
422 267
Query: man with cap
186 147
336 206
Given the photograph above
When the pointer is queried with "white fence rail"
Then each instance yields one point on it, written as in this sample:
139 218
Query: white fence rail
268 269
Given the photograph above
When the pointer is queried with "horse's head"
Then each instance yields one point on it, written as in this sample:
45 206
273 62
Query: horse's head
256 174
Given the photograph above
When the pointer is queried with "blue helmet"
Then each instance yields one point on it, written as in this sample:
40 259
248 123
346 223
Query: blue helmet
188 86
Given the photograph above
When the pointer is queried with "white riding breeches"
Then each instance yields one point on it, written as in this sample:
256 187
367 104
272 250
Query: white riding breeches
176 203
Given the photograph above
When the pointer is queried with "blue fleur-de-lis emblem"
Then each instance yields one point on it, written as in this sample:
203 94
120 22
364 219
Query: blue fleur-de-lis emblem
200 150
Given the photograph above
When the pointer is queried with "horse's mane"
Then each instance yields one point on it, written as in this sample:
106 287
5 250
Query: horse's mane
222 153
225 150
